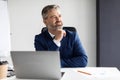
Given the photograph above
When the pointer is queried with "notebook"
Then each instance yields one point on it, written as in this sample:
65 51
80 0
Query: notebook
36 64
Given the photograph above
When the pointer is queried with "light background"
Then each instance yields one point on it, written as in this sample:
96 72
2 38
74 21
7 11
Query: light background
26 22
4 30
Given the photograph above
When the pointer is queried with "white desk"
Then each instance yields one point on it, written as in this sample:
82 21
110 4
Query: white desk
98 73
92 73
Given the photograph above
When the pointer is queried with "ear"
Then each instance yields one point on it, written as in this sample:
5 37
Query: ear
44 21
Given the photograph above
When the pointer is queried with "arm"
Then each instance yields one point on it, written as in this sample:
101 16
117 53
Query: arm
79 58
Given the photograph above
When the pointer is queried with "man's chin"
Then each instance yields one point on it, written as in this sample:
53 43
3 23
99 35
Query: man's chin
59 27
56 27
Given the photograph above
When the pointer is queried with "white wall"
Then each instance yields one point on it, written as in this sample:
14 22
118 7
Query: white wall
26 22
4 30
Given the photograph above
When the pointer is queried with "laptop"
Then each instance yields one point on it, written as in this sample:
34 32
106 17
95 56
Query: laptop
36 64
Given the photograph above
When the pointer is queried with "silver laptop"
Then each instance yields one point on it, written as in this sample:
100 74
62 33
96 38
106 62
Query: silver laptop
36 64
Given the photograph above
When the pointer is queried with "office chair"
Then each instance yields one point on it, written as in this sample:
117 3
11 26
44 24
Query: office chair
65 28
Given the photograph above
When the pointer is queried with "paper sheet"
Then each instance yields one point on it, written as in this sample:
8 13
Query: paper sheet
74 75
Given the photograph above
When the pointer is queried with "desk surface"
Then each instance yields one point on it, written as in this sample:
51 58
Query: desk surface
100 72
92 73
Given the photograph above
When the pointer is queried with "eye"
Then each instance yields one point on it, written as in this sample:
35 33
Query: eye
59 15
53 16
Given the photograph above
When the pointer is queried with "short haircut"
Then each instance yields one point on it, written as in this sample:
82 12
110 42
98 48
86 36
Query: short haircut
48 8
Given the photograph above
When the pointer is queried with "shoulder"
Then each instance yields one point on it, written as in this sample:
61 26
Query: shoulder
72 36
41 35
71 33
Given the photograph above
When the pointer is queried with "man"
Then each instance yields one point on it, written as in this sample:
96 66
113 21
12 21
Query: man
55 38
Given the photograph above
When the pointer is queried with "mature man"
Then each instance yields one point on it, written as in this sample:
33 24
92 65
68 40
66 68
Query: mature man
55 38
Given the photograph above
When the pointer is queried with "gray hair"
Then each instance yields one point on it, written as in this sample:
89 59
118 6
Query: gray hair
48 8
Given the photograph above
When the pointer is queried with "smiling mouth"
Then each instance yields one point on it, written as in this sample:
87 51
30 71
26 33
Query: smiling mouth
57 22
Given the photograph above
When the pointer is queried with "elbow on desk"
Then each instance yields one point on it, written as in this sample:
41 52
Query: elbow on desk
74 63
83 62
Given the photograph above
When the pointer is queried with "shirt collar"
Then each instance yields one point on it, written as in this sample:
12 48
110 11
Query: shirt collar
51 35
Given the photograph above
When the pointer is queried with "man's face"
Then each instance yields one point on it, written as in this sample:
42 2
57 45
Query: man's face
53 20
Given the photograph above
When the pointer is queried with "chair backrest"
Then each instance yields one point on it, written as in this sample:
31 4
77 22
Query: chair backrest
65 28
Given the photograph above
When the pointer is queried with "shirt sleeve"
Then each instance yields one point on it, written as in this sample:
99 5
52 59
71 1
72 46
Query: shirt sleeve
79 58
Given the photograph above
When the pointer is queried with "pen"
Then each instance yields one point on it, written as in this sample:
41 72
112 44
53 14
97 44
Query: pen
84 72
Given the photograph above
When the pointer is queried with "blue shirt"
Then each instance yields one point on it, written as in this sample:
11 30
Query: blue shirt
72 53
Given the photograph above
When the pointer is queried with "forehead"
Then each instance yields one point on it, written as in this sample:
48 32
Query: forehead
53 11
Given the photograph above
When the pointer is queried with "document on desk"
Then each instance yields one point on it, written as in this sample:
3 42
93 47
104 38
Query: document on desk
72 75
96 74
